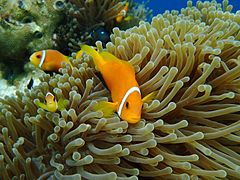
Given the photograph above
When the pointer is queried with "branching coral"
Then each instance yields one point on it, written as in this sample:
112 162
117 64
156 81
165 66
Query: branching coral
191 130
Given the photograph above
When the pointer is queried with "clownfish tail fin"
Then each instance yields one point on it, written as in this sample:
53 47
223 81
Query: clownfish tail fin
150 97
97 58
80 52
107 108
68 62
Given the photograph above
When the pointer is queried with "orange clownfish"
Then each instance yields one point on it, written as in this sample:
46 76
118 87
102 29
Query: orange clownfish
123 13
119 76
52 104
49 60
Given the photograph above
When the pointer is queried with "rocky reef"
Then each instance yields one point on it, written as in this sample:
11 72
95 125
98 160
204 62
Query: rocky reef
191 130
26 26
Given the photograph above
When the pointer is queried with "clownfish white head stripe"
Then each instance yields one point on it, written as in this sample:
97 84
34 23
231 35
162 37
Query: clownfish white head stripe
51 101
124 12
42 58
129 92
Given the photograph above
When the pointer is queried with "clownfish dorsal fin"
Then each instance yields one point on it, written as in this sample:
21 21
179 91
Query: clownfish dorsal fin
150 97
110 57
97 58
108 108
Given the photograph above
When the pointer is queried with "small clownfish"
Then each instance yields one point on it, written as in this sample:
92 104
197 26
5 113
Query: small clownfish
52 104
123 13
49 60
119 76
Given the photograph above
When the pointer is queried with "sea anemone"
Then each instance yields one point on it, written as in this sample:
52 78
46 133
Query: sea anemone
90 20
190 130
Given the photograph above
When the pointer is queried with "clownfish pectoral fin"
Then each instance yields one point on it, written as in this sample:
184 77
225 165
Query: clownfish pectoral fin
108 108
150 97
62 104
41 105
128 18
97 58
50 67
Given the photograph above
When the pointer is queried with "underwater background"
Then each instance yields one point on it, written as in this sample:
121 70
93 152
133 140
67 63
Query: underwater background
159 6
60 120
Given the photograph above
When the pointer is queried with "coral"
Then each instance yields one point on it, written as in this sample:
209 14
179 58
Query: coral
191 130
85 17
26 26
20 83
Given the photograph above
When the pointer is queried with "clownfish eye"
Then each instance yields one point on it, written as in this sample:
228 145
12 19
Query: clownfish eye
39 56
127 105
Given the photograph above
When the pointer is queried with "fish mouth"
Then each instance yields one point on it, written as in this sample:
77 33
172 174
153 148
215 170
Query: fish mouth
31 58
133 119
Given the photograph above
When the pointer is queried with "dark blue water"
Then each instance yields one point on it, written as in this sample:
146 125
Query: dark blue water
159 6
